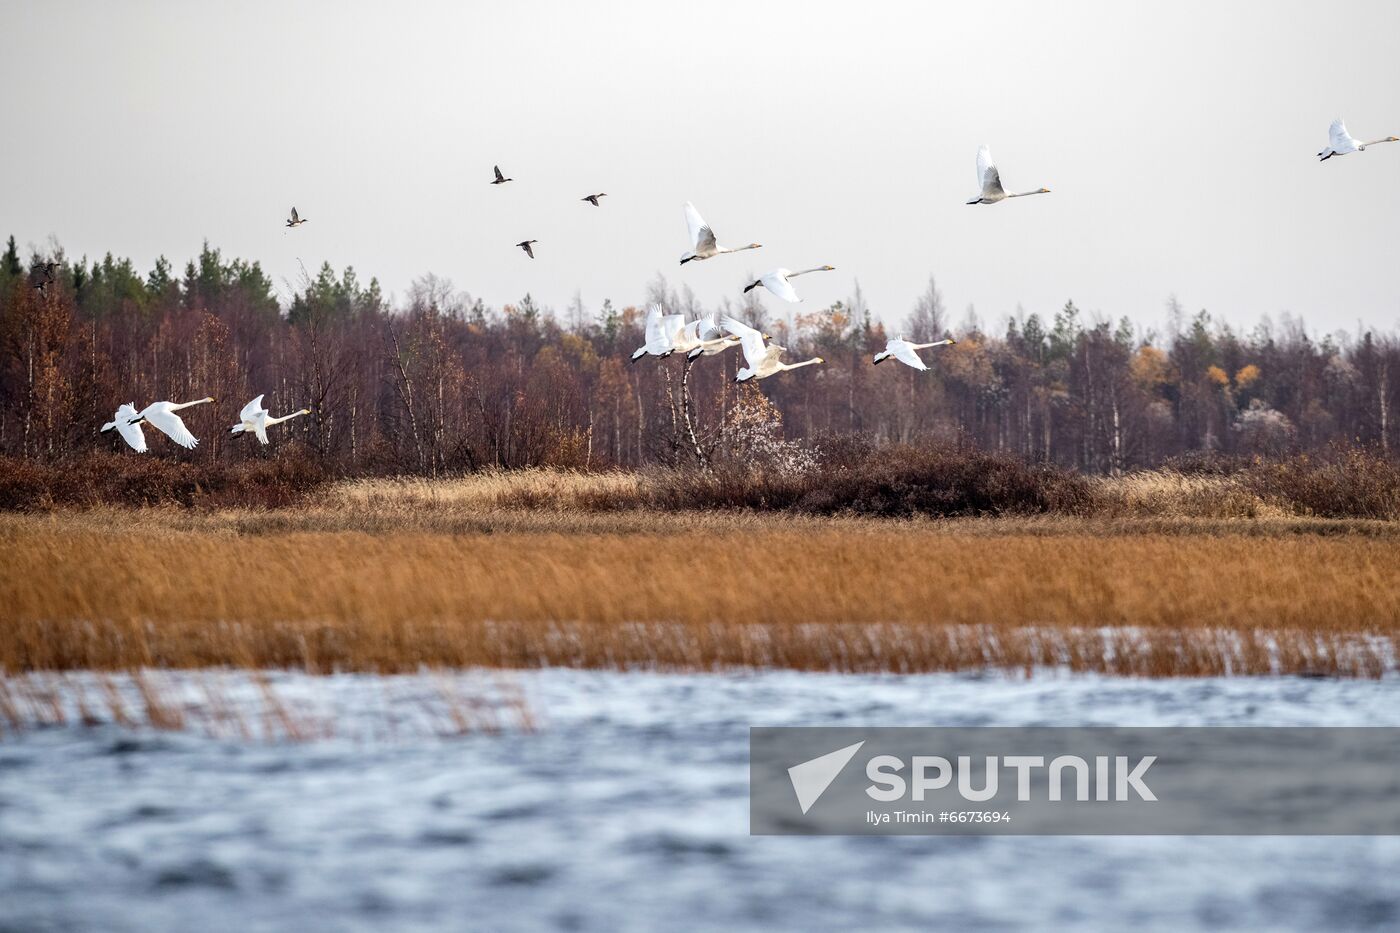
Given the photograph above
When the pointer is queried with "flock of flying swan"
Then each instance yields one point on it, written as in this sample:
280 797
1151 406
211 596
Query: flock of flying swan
665 334
253 419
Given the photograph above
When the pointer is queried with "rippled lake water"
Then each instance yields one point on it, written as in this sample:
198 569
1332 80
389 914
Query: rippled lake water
576 800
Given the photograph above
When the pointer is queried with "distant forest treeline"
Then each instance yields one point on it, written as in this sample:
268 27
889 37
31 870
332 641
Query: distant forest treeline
445 383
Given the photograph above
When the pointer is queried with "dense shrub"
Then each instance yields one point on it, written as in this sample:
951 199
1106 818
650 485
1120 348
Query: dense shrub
1348 483
896 480
102 478
1338 482
853 476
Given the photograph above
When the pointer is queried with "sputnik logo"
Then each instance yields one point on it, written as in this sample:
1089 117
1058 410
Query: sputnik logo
810 779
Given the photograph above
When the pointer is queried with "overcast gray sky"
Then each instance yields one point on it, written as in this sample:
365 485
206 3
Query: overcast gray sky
1178 137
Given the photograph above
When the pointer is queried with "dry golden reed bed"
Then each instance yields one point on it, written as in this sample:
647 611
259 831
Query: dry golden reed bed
516 570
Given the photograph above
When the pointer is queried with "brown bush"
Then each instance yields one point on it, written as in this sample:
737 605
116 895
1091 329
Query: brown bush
853 476
896 481
1344 483
102 478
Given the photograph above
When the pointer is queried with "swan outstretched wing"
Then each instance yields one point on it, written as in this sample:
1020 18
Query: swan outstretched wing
672 326
654 332
902 351
738 328
1338 137
987 175
260 425
701 236
777 283
170 424
750 341
707 329
250 411
131 433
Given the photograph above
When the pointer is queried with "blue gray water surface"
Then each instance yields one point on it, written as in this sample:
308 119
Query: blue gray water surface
575 800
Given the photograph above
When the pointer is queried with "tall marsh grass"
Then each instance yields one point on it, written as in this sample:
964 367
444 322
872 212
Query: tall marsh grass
88 591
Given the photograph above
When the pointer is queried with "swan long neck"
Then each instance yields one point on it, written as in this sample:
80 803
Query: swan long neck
936 343
295 414
793 275
1026 194
198 401
736 249
812 362
1377 142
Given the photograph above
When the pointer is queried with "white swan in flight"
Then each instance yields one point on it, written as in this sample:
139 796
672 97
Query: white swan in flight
776 281
710 338
763 361
702 336
702 238
687 338
661 334
125 422
1340 142
255 418
161 416
903 350
990 180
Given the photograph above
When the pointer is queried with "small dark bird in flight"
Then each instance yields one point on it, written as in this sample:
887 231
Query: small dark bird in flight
294 220
526 245
500 179
593 198
47 277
